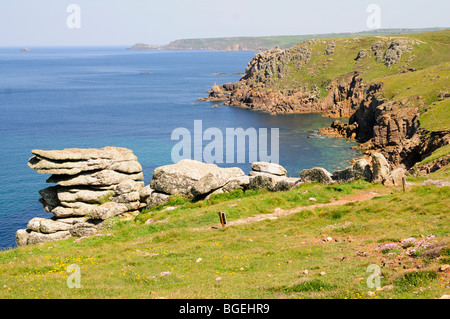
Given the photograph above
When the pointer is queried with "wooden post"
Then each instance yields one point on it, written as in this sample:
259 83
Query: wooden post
223 218
404 183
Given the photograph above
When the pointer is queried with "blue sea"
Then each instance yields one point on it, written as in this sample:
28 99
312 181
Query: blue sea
89 97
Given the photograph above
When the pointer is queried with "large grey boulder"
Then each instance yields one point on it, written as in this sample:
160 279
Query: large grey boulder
394 178
380 167
191 178
269 168
22 236
316 175
344 174
86 228
272 183
28 237
215 180
47 226
361 170
270 176
263 181
156 199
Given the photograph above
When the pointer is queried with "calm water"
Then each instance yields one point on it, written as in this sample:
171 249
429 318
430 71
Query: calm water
55 98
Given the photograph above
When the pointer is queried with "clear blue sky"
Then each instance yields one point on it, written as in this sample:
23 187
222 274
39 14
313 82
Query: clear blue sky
125 22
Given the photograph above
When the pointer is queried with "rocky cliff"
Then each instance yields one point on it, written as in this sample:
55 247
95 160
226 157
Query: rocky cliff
372 81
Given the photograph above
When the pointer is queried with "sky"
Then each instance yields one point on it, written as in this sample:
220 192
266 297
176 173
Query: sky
28 23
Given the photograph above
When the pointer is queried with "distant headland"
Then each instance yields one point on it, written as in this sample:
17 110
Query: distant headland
265 42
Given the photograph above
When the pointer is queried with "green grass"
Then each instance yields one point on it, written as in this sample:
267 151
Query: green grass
437 117
440 152
310 285
426 83
415 279
265 259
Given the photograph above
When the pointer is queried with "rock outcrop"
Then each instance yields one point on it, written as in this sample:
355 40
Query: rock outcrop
395 177
271 176
94 185
359 170
316 175
258 89
197 180
91 185
269 168
389 127
193 179
373 169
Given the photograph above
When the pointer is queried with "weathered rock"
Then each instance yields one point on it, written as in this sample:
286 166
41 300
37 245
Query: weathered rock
86 228
64 212
126 198
36 238
127 186
191 178
344 175
74 161
361 170
112 209
90 195
263 181
380 167
97 178
285 184
361 54
156 199
72 220
35 224
50 195
378 50
269 168
215 180
100 183
145 193
330 48
272 182
394 52
394 178
316 175
47 226
22 236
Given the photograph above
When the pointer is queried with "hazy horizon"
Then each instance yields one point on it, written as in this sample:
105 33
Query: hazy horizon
28 23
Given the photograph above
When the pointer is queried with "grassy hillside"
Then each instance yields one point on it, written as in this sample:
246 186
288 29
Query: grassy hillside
320 252
428 53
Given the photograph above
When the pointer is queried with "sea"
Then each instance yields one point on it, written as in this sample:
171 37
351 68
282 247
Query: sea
91 97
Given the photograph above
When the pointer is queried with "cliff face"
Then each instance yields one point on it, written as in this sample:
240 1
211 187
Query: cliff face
278 81
346 78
